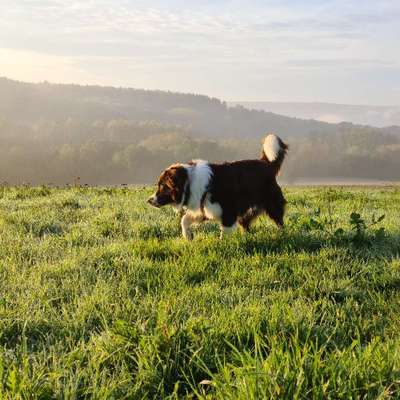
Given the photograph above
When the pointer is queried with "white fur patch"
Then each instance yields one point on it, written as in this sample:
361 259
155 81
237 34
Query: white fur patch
212 210
271 147
200 175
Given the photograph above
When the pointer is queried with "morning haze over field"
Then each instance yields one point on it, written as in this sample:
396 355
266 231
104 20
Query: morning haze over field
333 65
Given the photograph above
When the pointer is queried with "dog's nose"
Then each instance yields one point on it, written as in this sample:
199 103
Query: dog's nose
152 200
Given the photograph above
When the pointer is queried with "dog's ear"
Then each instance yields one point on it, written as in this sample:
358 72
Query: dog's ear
178 176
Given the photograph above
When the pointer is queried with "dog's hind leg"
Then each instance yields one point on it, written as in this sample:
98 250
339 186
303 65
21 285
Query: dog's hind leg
246 220
227 230
275 206
228 222
276 214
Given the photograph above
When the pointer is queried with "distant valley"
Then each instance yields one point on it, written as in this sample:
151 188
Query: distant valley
379 116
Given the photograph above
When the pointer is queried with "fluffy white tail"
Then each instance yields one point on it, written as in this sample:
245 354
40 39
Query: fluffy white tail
274 151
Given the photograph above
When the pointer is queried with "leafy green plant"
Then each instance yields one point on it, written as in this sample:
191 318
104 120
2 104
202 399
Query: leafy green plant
361 229
360 226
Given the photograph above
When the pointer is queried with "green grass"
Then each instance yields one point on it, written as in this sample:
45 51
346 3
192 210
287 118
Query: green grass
100 297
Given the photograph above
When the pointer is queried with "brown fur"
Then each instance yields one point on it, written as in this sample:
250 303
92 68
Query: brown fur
171 184
245 189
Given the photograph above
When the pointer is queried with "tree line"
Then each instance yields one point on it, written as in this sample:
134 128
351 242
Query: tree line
123 151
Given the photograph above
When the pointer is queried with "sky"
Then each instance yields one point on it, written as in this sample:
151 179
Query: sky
340 51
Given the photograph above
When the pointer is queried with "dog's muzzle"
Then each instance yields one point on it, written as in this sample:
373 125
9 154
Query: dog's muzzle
152 200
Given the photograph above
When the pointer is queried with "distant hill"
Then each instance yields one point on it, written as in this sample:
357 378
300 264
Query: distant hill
28 102
379 116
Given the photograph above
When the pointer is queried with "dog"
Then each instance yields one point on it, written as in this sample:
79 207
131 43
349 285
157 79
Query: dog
233 193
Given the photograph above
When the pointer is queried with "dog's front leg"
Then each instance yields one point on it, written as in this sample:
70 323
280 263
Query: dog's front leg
186 222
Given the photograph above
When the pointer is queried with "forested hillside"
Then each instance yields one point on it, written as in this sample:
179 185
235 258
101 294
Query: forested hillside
55 133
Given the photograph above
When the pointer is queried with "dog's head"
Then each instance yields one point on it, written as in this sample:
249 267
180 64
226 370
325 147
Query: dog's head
171 186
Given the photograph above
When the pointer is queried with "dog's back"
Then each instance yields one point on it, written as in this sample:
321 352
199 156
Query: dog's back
248 188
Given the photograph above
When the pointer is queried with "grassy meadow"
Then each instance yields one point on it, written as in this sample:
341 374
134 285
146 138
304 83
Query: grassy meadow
101 298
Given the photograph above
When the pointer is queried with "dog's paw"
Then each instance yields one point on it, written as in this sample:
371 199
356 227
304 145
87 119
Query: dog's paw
188 235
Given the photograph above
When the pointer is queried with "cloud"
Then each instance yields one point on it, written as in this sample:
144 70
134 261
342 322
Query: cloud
353 63
227 39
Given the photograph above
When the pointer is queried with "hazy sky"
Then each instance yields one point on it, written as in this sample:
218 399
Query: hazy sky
345 51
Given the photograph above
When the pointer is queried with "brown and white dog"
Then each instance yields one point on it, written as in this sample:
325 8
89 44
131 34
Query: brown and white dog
231 193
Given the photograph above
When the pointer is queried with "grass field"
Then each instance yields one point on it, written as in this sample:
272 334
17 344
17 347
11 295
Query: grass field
101 298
